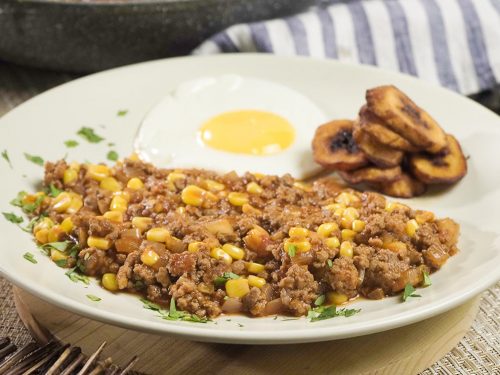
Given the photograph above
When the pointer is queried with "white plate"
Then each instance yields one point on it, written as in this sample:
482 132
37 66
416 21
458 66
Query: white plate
42 124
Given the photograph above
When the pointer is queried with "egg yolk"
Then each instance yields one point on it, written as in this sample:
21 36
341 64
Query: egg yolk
248 132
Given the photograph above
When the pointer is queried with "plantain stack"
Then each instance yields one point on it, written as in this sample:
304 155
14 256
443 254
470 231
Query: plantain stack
394 146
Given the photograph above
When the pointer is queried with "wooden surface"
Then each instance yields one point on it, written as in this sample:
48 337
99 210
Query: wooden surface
406 350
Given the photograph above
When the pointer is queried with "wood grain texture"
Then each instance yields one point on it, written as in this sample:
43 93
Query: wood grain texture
406 350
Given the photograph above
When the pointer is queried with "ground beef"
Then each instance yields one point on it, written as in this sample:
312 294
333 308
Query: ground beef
255 302
298 290
189 298
343 277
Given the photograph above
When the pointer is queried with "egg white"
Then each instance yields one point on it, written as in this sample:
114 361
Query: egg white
168 136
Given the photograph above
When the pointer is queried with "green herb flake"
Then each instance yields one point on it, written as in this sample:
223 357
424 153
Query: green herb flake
76 277
89 135
322 313
30 257
427 279
172 313
31 207
34 159
221 280
122 112
71 143
53 191
5 156
60 246
112 155
409 292
93 298
111 144
62 263
18 200
12 217
292 250
320 300
330 263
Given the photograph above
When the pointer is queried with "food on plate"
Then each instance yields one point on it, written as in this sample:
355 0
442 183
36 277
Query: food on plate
404 117
401 146
213 243
334 146
377 153
446 167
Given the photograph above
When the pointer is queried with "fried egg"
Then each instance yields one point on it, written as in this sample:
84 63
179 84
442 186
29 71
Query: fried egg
230 123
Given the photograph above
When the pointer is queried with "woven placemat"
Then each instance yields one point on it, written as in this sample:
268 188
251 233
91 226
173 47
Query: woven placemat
477 353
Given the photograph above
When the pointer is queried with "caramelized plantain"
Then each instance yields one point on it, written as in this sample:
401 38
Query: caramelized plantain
447 167
375 127
407 119
371 175
334 147
379 154
405 187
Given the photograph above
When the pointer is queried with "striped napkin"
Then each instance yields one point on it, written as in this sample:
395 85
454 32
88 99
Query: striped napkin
454 43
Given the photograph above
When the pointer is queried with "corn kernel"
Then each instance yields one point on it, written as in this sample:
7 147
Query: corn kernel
214 186
254 188
424 217
348 234
237 288
98 172
67 225
339 212
258 176
115 216
174 176
57 255
118 204
122 194
302 186
76 203
157 234
358 225
99 243
411 227
141 223
209 197
69 176
253 267
237 199
192 195
54 233
351 213
219 254
149 257
45 223
194 247
42 235
391 206
346 198
346 222
75 166
326 229
298 232
259 282
110 184
300 246
346 249
250 210
109 282
62 202
396 246
135 183
336 298
334 206
235 251
332 242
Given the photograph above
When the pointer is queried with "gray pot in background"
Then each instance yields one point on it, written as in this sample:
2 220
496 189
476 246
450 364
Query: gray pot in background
87 36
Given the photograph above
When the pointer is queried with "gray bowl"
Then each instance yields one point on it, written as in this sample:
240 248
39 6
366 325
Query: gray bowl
86 36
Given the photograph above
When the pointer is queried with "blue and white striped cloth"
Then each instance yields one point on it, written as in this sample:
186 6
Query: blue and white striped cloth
454 43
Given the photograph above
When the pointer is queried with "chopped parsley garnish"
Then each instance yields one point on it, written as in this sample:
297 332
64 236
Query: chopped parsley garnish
320 300
28 208
292 250
34 159
71 143
18 200
89 135
330 263
221 280
111 144
12 217
53 191
409 292
61 246
427 279
112 155
323 312
122 112
5 156
93 298
30 258
76 277
61 263
173 313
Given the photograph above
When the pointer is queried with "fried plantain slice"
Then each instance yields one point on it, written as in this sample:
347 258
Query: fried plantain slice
379 154
407 119
334 147
447 167
371 175
404 187
375 127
